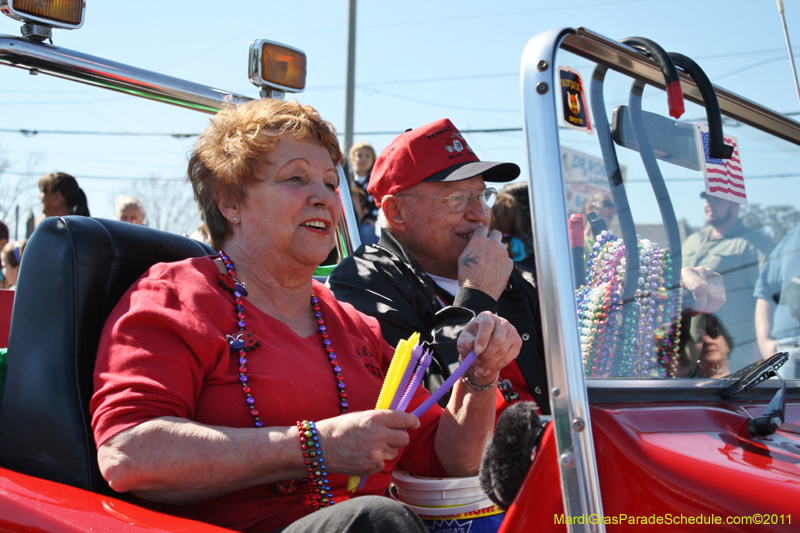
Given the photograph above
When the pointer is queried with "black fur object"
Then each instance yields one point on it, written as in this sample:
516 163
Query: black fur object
508 456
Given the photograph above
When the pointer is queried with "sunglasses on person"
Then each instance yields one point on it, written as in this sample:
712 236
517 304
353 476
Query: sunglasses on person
606 204
459 201
711 327
713 330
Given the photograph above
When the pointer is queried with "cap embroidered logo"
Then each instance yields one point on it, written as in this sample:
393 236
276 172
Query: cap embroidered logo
416 155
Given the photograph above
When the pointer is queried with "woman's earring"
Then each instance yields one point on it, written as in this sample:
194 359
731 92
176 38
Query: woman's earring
236 219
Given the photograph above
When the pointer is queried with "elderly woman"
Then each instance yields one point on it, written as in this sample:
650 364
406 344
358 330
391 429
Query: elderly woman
61 196
129 209
217 378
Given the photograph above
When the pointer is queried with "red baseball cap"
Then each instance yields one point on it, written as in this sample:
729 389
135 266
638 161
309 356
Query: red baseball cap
435 152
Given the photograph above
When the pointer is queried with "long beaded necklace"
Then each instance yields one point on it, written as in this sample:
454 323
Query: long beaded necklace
641 341
243 341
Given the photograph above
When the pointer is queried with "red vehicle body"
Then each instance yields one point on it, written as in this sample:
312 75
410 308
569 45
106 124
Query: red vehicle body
619 455
662 466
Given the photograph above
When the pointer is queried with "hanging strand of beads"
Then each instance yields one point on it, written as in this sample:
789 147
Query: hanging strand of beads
637 339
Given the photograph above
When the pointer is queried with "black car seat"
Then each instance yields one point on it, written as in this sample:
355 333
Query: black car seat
73 272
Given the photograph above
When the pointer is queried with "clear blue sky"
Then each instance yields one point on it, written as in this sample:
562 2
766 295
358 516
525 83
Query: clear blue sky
417 61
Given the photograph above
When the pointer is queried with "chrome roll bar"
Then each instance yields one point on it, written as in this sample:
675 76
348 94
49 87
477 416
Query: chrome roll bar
37 57
568 399
41 58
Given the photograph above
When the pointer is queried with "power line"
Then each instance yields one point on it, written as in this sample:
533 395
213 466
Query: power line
749 53
179 180
437 104
30 133
422 80
748 67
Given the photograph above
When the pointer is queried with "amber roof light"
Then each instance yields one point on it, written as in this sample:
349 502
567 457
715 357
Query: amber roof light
66 14
277 66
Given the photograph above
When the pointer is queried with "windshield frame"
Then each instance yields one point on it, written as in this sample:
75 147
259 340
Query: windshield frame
570 392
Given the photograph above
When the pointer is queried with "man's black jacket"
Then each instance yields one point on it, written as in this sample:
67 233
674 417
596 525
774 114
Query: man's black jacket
383 281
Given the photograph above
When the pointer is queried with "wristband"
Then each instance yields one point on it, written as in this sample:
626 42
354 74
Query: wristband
491 385
319 491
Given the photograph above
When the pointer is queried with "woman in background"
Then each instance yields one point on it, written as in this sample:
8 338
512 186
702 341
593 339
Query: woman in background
362 159
507 218
61 196
705 347
10 257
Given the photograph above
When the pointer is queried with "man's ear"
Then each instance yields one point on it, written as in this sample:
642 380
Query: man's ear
395 211
229 206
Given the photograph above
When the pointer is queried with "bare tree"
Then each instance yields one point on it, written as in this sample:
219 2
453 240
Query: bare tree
18 192
169 204
774 221
13 188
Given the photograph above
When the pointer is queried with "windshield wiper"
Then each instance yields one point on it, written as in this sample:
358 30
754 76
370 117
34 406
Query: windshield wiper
754 374
750 376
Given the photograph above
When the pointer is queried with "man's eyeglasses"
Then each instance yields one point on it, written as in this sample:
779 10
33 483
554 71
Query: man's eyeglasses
459 201
606 204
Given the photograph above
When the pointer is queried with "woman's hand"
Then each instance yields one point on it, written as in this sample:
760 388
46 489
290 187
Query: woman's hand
358 444
496 342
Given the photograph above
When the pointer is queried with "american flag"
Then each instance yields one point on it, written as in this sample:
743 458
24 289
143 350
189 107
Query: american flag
724 177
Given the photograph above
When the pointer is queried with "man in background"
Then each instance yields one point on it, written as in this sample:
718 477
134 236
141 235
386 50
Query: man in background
778 306
736 252
437 264
130 209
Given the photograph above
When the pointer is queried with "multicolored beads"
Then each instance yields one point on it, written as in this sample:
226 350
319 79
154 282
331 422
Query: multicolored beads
242 342
319 490
637 339
326 343
245 340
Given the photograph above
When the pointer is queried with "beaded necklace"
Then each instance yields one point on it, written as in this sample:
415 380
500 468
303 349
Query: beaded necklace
628 339
244 341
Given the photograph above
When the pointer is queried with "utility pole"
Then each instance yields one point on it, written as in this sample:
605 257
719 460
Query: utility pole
350 85
789 46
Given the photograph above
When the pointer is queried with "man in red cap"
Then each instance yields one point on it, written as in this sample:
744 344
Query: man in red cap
437 264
